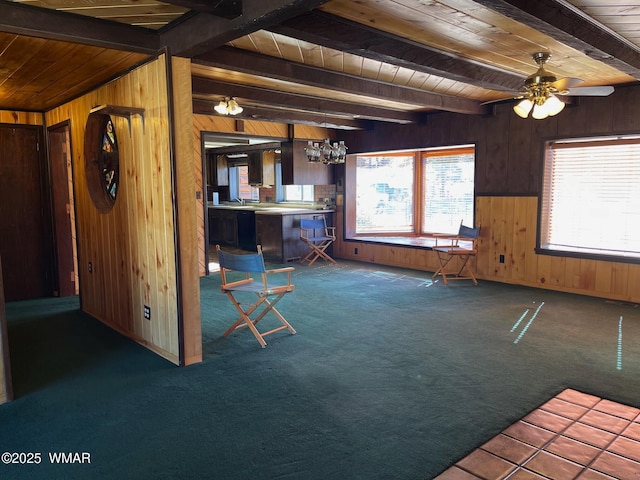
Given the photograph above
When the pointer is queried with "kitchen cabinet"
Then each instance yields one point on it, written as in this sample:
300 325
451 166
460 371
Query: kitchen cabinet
262 167
223 227
279 235
296 168
217 170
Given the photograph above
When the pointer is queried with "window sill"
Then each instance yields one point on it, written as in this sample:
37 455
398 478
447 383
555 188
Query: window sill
413 242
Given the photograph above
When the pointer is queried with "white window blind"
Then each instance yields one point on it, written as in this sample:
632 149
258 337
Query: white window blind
591 197
448 189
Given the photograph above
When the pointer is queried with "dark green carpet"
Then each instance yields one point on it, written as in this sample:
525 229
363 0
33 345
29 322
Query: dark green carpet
389 377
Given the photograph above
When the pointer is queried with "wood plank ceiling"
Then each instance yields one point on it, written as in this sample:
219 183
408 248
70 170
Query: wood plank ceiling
340 63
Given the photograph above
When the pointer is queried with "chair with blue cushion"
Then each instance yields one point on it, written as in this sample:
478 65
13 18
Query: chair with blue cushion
461 247
315 233
245 276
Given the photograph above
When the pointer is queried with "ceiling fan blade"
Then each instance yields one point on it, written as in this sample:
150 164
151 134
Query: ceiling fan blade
589 91
504 100
566 83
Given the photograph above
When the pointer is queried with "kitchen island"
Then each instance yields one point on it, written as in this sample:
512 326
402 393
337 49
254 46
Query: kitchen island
275 227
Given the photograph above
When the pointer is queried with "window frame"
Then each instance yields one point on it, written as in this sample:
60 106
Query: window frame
417 231
543 223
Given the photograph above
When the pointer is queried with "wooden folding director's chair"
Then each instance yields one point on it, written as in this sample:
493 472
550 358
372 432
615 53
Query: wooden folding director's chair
247 266
316 234
462 246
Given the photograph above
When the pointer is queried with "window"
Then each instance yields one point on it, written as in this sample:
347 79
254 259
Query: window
239 184
591 197
298 193
412 192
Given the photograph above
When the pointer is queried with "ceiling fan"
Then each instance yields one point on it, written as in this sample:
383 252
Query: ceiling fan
541 92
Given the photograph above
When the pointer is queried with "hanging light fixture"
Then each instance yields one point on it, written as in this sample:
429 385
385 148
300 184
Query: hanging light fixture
540 93
327 153
228 106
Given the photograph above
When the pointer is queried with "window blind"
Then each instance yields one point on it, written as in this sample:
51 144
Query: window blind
591 197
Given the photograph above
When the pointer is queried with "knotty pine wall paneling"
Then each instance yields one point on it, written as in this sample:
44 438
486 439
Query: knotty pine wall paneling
21 118
132 249
509 156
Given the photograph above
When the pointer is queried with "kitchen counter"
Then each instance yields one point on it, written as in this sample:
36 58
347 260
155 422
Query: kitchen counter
272 210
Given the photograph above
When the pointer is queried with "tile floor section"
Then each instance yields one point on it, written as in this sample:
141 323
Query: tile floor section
572 436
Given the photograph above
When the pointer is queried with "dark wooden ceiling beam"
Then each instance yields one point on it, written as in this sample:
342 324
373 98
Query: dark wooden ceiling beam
250 112
573 28
22 19
202 32
207 88
265 66
344 35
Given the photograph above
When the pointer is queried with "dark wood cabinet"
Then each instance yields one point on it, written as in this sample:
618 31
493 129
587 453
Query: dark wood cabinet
279 236
296 168
223 227
217 170
262 168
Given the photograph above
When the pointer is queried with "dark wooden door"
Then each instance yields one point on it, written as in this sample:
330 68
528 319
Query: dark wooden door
25 219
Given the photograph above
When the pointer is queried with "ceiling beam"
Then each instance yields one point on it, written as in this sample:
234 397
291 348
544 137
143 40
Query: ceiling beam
265 66
250 112
214 89
568 25
22 19
340 34
202 32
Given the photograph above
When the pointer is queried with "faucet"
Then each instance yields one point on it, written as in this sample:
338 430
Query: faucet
240 200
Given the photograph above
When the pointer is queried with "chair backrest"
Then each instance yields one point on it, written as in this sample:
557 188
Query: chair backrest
250 262
468 232
313 224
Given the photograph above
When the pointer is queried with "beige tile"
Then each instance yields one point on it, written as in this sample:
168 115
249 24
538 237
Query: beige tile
552 466
625 447
548 421
632 431
591 435
485 465
617 409
528 433
618 467
523 474
509 448
565 409
604 421
578 398
573 450
455 473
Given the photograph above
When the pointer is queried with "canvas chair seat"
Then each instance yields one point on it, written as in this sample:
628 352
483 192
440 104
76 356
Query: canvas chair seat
460 247
246 274
316 234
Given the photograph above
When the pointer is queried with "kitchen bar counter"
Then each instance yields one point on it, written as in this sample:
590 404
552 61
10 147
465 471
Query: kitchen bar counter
276 228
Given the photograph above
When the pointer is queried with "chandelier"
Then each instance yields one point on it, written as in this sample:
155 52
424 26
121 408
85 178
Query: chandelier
228 106
327 153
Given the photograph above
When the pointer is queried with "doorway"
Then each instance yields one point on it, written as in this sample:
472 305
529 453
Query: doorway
63 210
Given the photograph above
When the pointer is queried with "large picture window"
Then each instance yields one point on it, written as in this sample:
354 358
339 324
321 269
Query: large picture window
411 193
591 197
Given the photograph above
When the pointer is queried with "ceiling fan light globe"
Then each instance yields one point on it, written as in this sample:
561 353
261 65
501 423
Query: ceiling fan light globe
540 111
523 108
554 105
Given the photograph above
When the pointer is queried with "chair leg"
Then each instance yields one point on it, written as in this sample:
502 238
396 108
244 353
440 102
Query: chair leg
246 321
316 252
443 261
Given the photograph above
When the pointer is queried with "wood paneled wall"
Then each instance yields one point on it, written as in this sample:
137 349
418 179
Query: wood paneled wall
132 249
509 157
21 118
6 387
